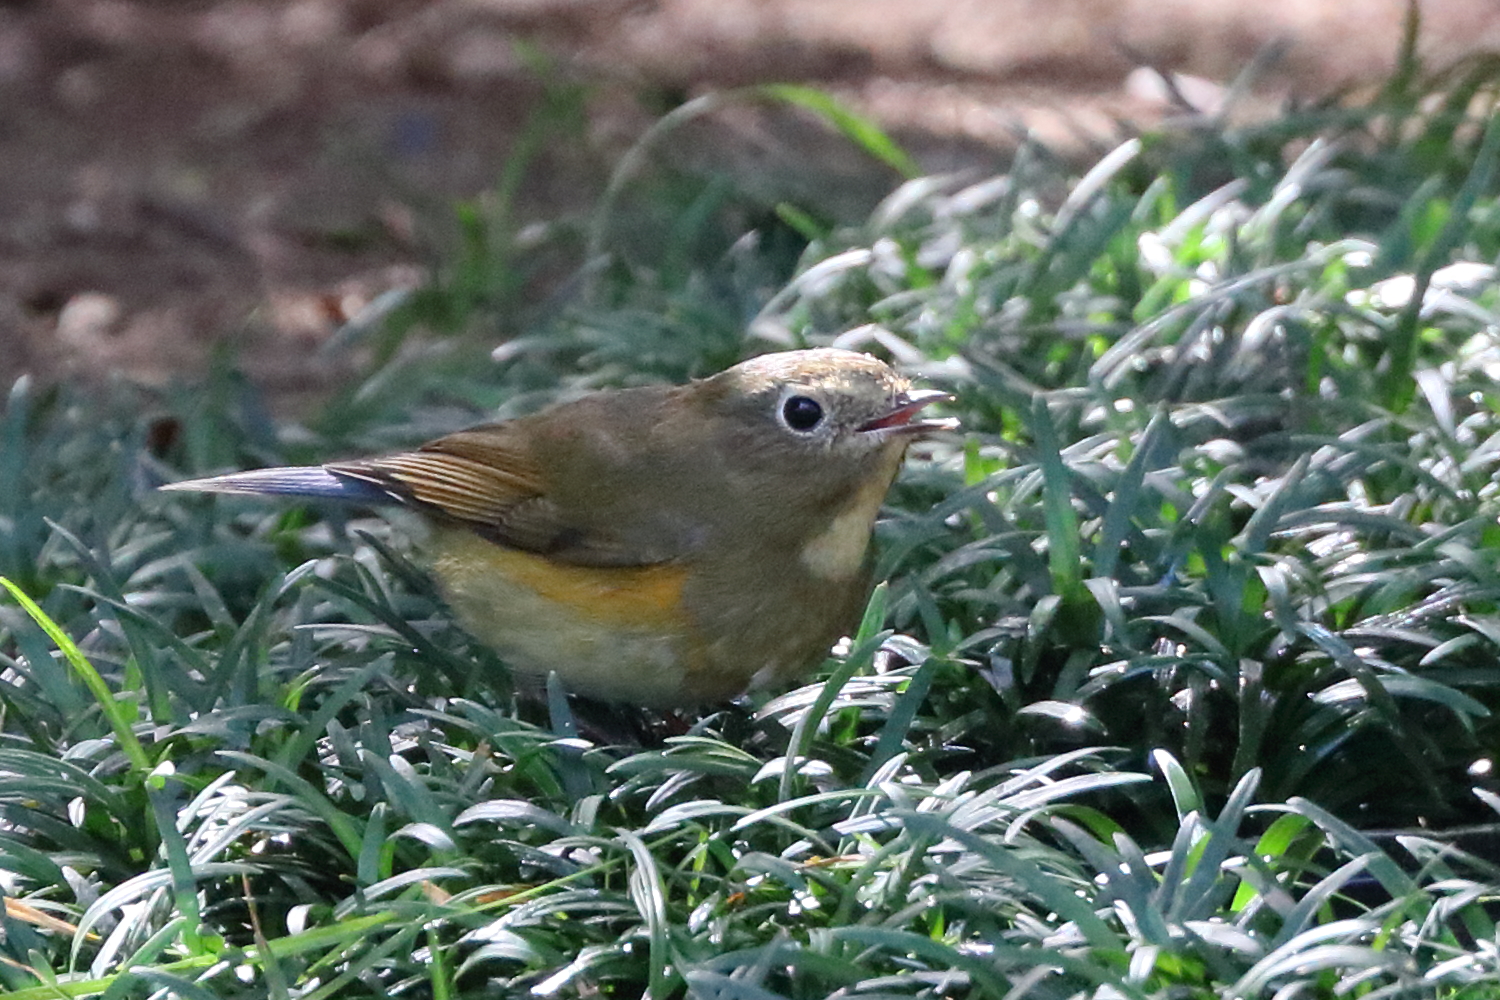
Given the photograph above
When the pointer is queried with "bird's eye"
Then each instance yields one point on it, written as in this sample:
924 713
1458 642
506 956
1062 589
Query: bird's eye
801 413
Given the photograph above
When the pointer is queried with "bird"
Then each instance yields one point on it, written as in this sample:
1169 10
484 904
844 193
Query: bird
666 546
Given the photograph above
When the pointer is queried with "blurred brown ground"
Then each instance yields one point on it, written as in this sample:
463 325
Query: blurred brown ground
178 173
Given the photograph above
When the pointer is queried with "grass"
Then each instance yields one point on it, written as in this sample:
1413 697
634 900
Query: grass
1184 683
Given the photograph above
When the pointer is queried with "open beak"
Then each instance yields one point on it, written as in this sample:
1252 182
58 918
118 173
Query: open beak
901 419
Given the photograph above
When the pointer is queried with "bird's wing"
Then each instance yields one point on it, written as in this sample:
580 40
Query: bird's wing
484 481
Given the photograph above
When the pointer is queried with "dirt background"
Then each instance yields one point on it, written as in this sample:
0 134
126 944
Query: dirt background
176 173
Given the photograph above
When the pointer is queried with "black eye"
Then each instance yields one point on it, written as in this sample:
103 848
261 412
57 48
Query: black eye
801 413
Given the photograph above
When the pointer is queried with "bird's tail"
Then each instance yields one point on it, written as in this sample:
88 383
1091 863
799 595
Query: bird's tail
313 481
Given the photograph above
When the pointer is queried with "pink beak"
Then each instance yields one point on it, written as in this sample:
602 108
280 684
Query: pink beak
900 420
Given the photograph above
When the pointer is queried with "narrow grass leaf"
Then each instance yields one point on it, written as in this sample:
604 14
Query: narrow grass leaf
1395 881
864 132
649 894
1397 385
1185 797
342 825
1126 501
1057 492
108 704
903 713
866 641
147 882
1052 891
184 884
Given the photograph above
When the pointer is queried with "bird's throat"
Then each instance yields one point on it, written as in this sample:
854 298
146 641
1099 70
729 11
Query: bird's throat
837 552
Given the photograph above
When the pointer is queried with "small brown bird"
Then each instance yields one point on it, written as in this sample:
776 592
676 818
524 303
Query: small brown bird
668 545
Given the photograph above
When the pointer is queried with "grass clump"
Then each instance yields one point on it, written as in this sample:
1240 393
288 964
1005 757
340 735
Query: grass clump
1232 476
1185 666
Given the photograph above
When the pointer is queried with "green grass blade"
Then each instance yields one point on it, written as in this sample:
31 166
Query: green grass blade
140 761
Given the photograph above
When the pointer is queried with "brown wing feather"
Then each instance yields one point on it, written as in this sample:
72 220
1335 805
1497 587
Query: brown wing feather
460 488
478 479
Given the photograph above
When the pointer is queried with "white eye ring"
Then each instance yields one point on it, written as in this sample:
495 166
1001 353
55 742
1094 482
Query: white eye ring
801 414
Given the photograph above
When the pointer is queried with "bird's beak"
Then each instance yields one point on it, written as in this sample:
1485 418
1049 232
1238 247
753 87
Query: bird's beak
900 419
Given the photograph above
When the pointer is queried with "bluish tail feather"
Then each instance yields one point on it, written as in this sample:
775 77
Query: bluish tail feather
311 481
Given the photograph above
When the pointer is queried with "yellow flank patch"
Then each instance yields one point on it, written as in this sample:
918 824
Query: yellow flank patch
640 596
